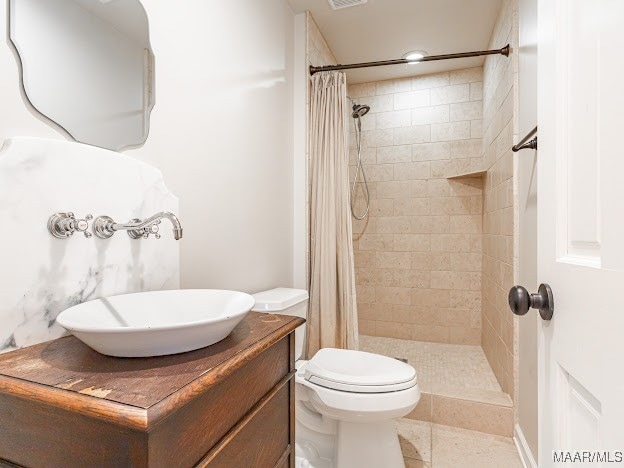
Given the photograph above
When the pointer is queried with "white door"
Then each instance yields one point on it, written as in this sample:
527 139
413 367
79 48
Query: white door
581 227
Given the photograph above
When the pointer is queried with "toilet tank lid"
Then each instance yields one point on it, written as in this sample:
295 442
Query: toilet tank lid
278 299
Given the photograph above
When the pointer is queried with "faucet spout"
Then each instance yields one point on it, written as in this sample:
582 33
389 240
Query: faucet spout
177 227
105 227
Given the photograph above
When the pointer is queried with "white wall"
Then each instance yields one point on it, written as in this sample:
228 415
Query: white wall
527 224
221 132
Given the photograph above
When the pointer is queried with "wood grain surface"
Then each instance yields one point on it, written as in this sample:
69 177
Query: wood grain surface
63 404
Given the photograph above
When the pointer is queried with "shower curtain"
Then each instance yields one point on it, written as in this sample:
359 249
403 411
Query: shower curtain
332 317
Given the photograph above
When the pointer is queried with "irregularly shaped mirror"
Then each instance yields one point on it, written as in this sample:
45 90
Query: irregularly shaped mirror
87 65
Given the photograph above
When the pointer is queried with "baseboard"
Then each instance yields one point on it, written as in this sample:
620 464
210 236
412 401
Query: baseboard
523 448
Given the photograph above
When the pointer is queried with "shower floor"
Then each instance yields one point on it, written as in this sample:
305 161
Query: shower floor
449 370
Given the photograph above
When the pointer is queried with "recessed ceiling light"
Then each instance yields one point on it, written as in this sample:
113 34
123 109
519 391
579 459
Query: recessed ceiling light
414 56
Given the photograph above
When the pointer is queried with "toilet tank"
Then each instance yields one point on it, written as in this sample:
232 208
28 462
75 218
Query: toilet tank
285 301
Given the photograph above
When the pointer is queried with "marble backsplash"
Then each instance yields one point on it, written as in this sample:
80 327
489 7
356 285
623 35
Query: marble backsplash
40 275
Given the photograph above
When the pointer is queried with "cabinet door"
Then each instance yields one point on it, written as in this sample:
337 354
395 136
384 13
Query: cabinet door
262 439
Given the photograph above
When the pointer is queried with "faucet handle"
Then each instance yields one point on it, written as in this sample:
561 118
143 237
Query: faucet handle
152 229
146 231
81 225
64 225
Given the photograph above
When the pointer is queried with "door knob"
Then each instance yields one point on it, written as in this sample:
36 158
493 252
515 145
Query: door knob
520 301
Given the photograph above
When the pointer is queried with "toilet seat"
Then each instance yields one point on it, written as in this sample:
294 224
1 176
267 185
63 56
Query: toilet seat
359 372
358 406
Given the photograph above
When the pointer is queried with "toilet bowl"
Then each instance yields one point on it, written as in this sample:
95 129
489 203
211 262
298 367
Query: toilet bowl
346 401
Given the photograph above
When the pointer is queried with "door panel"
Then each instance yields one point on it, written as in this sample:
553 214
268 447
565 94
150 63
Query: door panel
581 225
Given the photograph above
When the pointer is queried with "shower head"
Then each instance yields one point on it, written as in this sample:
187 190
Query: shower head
360 110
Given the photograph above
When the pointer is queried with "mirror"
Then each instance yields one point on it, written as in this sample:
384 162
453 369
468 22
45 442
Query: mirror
87 65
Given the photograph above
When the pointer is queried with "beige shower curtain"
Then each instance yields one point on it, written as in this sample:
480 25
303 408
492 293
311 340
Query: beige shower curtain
332 317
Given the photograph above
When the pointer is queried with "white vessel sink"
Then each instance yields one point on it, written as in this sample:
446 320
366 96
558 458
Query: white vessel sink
156 323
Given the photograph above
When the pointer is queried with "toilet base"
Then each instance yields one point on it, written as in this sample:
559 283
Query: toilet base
368 445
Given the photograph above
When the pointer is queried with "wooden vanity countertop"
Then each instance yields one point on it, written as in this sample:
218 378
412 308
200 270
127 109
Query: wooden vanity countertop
135 392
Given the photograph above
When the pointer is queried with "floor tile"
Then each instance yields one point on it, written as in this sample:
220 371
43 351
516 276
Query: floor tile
460 448
415 439
438 364
412 463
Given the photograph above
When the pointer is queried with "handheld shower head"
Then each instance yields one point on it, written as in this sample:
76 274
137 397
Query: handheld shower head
360 110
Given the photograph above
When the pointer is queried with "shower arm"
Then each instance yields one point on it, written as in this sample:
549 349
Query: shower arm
431 58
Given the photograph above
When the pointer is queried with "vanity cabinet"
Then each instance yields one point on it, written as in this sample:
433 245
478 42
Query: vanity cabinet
228 405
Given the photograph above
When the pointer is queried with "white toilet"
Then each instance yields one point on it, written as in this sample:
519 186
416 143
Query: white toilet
346 401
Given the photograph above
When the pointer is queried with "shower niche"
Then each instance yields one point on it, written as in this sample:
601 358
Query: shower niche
87 66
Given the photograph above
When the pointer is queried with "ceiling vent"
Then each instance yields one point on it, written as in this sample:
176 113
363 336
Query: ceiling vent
338 4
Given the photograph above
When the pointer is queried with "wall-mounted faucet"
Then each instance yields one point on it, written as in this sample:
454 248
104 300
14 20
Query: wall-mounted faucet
104 226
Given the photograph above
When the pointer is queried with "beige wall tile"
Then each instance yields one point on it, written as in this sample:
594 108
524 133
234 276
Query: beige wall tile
412 135
393 330
394 224
433 333
394 119
394 189
431 115
398 260
382 242
412 99
451 206
476 91
482 417
476 128
424 231
450 94
381 207
422 412
431 151
465 262
430 298
456 280
452 318
465 335
465 299
365 260
393 154
466 149
383 103
412 243
361 90
376 138
431 261
498 132
451 243
377 173
450 131
430 81
412 206
412 170
410 278
439 224
393 295
466 224
466 111
467 75
365 294
367 327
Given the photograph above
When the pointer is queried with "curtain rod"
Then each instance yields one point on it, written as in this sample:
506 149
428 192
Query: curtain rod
431 58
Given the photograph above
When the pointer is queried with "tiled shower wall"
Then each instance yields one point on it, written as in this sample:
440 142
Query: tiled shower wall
418 254
499 338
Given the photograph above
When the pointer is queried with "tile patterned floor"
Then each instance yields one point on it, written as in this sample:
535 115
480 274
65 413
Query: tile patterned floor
427 445
460 366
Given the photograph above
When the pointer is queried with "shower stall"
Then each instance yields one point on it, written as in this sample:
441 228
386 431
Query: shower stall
430 195
418 239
